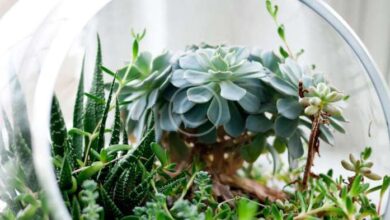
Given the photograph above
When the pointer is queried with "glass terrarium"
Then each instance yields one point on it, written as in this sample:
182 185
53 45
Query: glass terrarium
48 59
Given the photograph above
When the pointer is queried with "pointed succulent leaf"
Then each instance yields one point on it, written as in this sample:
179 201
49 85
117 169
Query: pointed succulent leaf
102 128
292 71
110 208
116 128
178 79
196 77
144 63
295 146
236 125
90 171
258 123
152 98
138 108
201 94
169 120
78 112
289 108
76 210
252 151
270 60
65 181
160 153
285 127
326 135
190 62
94 111
231 91
181 103
283 86
218 112
196 116
219 63
250 102
161 62
59 136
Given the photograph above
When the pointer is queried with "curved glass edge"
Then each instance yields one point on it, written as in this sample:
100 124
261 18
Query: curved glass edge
350 37
79 13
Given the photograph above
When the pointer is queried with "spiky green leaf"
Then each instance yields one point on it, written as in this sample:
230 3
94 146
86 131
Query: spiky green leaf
78 112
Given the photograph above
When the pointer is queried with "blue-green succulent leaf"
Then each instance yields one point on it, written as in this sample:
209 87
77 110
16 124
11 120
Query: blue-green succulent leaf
138 108
181 103
196 77
201 94
190 62
144 63
250 102
295 147
161 62
169 121
283 86
218 112
289 108
196 116
258 123
236 125
285 127
231 91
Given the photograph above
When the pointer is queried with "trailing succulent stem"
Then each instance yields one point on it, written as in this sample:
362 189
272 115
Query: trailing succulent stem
319 105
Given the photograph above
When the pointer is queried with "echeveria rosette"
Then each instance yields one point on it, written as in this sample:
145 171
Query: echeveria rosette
145 82
292 122
216 87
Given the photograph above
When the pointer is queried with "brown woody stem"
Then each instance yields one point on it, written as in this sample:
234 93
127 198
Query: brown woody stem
313 148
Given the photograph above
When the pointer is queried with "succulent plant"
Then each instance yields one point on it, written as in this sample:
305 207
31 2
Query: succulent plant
322 98
290 120
213 87
145 80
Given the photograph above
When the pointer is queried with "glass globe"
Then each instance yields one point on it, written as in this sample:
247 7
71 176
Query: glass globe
48 59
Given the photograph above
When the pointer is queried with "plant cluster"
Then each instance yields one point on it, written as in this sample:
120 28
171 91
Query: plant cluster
192 120
19 188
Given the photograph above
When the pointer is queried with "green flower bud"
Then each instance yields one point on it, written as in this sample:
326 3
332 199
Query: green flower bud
312 90
334 96
323 89
365 170
333 110
304 101
311 110
315 101
347 165
352 159
372 176
368 164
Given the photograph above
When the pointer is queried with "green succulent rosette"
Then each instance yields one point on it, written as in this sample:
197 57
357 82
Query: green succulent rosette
214 87
145 81
291 120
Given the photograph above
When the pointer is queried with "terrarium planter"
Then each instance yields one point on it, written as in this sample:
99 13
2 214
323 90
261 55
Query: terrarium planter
52 61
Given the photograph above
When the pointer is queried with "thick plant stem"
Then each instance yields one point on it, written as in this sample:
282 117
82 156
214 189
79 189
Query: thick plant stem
313 148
